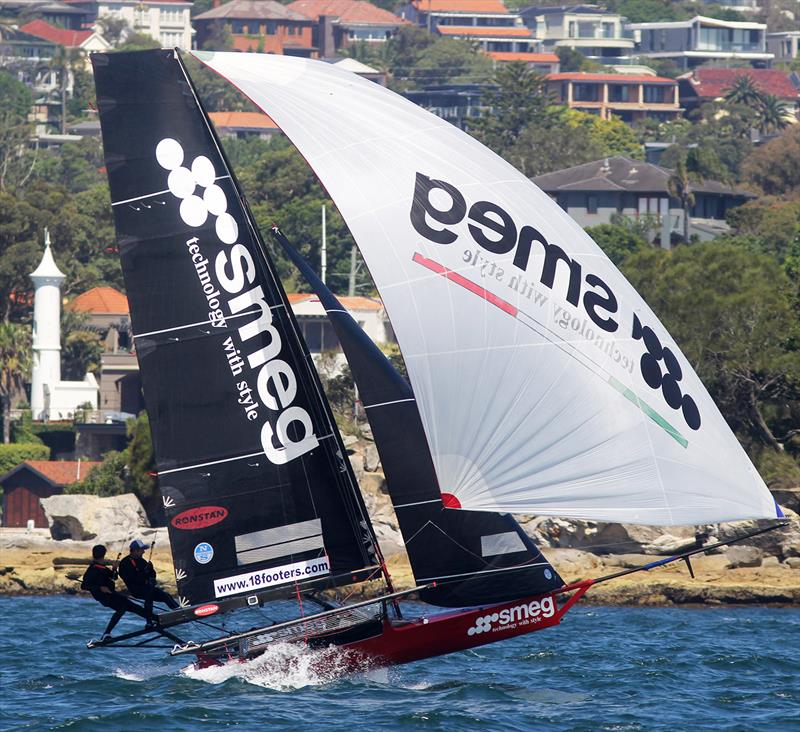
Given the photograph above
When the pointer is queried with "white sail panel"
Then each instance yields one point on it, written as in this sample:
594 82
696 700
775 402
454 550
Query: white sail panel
545 383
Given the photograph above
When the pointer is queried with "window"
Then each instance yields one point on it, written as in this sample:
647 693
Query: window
655 94
585 92
618 93
591 204
272 27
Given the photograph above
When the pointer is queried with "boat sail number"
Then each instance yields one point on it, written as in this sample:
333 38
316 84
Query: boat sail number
235 272
438 205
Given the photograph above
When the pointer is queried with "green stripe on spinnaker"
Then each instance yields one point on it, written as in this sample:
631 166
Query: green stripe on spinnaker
649 411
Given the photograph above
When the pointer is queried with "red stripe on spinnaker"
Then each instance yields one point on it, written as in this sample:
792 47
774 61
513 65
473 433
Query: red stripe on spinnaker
474 288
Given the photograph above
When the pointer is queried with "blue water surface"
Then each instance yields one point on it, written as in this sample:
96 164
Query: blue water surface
604 668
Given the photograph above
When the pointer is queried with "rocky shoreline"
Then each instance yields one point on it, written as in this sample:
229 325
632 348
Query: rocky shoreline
32 563
762 570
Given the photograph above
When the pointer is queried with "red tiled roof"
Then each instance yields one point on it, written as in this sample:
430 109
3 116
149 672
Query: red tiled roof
348 11
461 6
618 78
531 58
714 83
250 120
100 300
62 472
61 36
484 31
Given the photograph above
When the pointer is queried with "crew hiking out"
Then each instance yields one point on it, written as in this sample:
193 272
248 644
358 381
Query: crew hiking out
140 577
99 581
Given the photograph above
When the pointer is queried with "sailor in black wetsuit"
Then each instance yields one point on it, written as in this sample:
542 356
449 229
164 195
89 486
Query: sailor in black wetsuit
140 577
99 580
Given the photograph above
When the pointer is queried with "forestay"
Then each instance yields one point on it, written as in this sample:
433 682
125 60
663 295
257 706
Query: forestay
256 488
545 383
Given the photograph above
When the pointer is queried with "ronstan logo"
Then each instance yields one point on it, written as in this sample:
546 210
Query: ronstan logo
199 518
204 610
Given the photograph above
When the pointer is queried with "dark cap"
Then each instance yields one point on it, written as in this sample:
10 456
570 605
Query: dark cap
138 544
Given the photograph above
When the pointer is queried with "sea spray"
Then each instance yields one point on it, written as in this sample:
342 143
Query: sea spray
283 667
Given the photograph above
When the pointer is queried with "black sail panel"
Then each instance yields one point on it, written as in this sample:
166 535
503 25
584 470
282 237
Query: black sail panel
254 482
474 557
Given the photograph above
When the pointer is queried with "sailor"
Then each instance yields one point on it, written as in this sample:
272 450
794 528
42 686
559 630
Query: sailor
99 580
140 577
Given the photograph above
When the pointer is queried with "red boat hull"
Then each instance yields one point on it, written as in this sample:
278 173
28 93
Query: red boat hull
404 641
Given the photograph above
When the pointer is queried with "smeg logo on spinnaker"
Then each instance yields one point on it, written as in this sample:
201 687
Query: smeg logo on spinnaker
200 517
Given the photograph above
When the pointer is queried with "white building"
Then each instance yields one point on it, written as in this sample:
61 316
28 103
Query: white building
691 43
165 21
589 29
52 398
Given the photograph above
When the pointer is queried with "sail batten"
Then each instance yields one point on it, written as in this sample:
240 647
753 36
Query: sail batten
495 293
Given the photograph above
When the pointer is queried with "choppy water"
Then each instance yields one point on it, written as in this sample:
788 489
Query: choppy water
603 669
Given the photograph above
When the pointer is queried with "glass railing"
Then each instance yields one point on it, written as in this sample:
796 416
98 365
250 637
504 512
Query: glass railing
731 47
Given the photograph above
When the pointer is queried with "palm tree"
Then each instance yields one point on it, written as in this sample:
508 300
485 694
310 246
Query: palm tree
744 91
64 63
15 364
773 114
679 186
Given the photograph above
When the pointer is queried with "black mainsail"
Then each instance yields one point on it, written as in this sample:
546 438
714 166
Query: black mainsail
470 557
255 483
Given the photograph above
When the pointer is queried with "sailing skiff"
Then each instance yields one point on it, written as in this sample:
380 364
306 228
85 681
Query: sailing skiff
540 381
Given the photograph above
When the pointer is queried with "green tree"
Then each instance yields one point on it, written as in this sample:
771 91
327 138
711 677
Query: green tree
773 114
16 161
679 186
775 167
65 62
15 365
768 226
219 37
617 242
518 99
113 28
82 350
138 42
110 478
743 90
141 462
730 311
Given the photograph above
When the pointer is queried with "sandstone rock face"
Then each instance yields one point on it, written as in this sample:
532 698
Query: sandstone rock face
85 517
371 459
744 556
603 538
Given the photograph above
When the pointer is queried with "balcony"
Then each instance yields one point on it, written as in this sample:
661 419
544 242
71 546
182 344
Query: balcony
730 47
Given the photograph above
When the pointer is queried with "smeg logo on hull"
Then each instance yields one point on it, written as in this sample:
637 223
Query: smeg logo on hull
199 518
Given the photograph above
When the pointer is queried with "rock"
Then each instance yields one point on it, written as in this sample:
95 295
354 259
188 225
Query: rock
349 440
787 498
744 556
782 542
357 463
84 517
604 538
770 562
626 561
372 460
792 562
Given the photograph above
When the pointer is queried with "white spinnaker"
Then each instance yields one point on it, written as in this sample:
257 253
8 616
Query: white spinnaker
528 404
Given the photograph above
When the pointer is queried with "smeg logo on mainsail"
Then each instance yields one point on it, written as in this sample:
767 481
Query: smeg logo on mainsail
292 434
438 205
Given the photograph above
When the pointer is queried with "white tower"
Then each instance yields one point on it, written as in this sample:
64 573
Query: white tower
46 374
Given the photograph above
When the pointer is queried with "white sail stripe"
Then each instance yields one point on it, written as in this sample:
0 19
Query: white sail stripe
151 195
386 404
203 322
212 462
418 503
482 571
